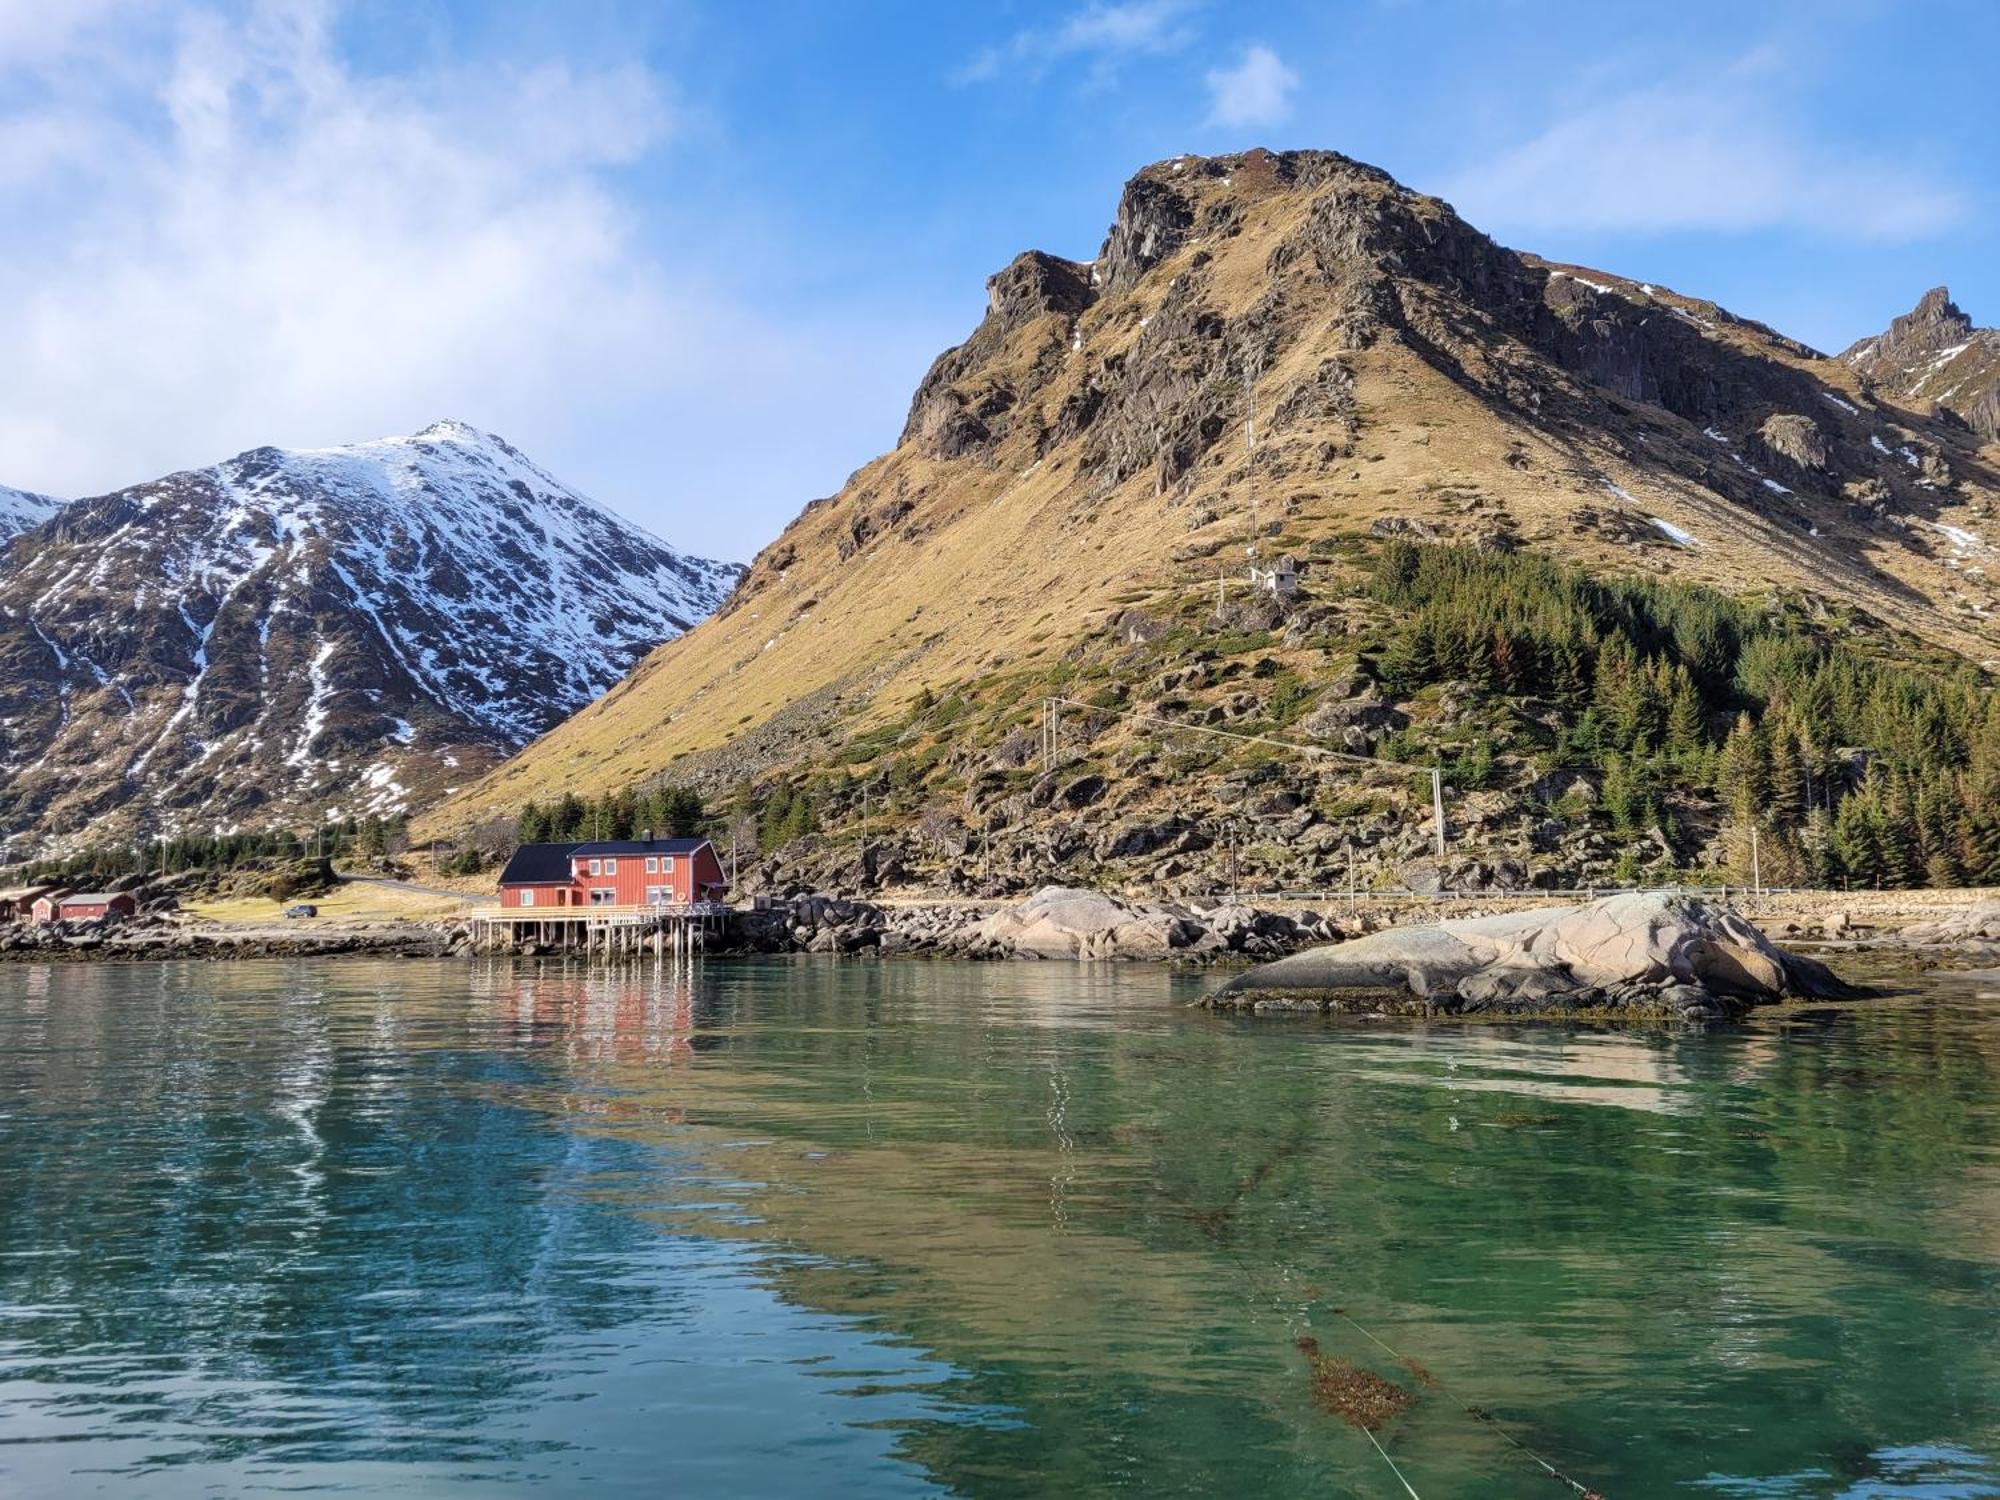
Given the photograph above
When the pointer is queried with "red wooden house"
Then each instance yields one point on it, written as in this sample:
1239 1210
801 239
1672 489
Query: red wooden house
44 907
613 872
85 906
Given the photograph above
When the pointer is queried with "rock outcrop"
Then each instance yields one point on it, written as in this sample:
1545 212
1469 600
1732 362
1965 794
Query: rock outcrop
1641 953
1933 356
1973 929
1056 922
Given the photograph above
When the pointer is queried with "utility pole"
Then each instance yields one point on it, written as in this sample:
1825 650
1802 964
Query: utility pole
1437 806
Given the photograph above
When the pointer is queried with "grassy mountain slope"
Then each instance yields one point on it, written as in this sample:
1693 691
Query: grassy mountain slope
1074 479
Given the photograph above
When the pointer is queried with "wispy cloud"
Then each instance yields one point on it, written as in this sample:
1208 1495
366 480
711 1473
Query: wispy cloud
228 236
1257 91
1722 152
1103 35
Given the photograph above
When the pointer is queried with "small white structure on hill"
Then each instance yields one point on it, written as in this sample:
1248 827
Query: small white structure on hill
1281 578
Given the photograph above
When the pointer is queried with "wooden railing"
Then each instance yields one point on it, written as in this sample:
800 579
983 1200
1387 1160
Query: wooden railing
587 911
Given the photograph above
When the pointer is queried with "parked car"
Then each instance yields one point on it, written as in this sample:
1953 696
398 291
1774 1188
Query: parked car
303 909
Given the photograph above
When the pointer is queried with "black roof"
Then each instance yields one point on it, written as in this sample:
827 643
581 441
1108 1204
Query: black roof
640 846
538 864
548 864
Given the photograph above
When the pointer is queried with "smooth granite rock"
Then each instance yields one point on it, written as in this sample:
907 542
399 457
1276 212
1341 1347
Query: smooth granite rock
1639 952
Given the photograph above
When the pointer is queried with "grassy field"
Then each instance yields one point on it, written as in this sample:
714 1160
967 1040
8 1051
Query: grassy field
351 903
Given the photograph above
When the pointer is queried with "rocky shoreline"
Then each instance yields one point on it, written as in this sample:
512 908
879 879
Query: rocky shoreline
145 941
1482 964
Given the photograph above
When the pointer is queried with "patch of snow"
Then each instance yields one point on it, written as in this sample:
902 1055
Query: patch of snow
1713 436
1595 286
314 718
1851 410
1775 488
1673 533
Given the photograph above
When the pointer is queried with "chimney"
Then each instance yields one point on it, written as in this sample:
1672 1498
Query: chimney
647 836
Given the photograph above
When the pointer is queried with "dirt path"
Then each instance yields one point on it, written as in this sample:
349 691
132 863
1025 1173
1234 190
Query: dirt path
408 886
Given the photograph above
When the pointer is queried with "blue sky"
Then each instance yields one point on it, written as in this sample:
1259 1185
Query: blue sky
694 257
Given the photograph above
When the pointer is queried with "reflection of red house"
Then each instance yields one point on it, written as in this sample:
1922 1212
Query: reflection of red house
615 872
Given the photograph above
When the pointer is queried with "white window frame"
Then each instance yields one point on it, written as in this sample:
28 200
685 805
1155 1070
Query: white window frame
652 864
597 867
611 867
528 896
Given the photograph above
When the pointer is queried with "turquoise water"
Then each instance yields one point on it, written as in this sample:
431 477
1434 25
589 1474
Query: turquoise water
810 1228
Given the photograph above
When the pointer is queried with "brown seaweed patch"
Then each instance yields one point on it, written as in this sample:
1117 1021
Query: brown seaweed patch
1359 1397
1420 1373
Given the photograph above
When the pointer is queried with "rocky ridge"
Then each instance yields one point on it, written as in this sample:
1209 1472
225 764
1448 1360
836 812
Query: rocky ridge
1935 360
298 634
21 511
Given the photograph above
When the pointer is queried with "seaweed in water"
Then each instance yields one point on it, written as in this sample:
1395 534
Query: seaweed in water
1359 1397
1517 1119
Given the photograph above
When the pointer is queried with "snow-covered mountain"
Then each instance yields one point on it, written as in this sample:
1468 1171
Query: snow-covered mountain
298 633
21 511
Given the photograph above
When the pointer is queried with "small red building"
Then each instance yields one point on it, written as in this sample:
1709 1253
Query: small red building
44 906
20 901
85 906
613 872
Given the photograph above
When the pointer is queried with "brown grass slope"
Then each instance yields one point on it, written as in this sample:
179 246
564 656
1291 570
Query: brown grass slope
1087 448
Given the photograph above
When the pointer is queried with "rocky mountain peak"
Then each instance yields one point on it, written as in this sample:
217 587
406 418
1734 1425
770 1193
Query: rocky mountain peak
1935 358
1272 355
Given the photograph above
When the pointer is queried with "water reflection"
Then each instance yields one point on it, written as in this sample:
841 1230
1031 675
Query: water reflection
784 1227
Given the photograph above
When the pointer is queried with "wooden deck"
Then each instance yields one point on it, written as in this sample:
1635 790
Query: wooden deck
612 931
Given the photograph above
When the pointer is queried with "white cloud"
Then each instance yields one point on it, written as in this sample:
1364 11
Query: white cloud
1257 91
234 239
1103 34
34 31
1722 152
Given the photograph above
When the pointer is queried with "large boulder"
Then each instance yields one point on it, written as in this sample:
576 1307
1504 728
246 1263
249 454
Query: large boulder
1637 952
1062 922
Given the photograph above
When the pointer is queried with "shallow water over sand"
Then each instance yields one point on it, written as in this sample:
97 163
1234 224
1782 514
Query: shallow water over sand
807 1227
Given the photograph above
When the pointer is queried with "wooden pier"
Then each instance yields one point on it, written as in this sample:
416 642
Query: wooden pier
602 931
